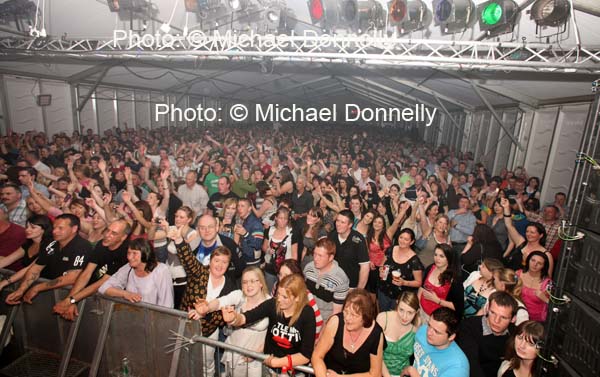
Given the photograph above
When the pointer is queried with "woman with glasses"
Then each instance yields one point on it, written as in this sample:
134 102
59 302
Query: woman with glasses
352 341
291 330
253 293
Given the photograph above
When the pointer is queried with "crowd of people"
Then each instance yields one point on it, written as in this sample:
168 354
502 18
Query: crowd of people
355 250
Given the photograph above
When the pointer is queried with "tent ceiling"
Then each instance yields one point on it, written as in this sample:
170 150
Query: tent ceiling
298 82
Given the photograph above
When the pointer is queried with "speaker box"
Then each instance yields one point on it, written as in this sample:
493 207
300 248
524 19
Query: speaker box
583 274
576 340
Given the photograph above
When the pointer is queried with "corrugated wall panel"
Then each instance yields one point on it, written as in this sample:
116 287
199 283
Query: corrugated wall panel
566 143
59 115
87 116
126 108
157 121
542 132
142 109
25 114
503 143
107 116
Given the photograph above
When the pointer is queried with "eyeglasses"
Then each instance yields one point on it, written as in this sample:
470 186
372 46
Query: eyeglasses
253 281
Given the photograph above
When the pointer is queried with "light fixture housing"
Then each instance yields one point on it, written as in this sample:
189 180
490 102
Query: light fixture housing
550 12
408 15
333 14
127 5
237 5
453 16
371 16
497 16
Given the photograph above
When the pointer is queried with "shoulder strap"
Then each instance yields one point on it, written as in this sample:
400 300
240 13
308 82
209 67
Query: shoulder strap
385 327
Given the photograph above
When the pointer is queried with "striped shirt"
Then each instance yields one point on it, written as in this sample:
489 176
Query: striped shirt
328 288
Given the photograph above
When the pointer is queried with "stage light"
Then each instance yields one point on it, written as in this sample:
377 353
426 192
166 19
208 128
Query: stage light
550 12
497 16
370 16
131 5
333 14
237 5
408 15
453 16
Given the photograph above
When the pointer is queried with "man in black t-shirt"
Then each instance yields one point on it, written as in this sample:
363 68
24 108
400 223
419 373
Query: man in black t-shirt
351 250
61 260
108 256
216 200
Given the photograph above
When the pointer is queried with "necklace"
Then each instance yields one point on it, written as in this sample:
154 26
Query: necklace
353 340
484 287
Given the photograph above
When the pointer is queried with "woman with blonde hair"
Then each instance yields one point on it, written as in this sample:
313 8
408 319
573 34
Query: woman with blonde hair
228 213
291 331
399 327
507 280
253 293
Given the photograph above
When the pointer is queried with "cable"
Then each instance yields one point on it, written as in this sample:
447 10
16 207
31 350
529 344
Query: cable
166 27
34 31
43 33
583 157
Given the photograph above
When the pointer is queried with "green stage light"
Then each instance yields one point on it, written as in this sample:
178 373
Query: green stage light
497 16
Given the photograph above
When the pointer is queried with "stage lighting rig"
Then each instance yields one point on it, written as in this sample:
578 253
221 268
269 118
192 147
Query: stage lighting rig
371 15
333 14
497 16
453 16
550 12
127 5
408 15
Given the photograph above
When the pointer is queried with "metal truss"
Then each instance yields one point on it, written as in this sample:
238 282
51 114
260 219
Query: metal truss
370 50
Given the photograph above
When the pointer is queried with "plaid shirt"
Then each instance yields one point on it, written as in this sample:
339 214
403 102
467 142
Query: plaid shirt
18 215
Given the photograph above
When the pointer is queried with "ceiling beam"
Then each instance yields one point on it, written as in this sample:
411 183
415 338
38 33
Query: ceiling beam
377 100
393 96
395 91
497 117
518 98
387 99
309 82
87 73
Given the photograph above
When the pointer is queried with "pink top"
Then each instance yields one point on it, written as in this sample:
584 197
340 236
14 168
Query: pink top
535 306
440 291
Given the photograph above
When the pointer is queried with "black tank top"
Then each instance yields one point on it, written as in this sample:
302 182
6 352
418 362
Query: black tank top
343 361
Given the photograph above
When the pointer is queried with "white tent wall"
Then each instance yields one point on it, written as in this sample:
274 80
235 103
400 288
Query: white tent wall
88 118
23 112
556 137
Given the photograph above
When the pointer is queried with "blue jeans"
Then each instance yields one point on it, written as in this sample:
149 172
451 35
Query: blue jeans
385 303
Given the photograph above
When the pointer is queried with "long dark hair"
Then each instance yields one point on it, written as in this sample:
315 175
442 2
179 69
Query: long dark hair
540 229
371 232
448 275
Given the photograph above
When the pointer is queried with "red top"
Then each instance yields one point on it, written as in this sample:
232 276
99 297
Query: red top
12 238
440 291
377 253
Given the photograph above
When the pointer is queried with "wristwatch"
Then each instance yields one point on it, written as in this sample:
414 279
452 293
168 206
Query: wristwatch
72 300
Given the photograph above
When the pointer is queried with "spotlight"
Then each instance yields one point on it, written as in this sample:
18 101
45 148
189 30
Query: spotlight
497 16
550 12
370 16
237 5
203 5
408 15
332 14
132 5
453 16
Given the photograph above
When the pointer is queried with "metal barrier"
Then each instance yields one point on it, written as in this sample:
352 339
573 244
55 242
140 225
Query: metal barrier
157 341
